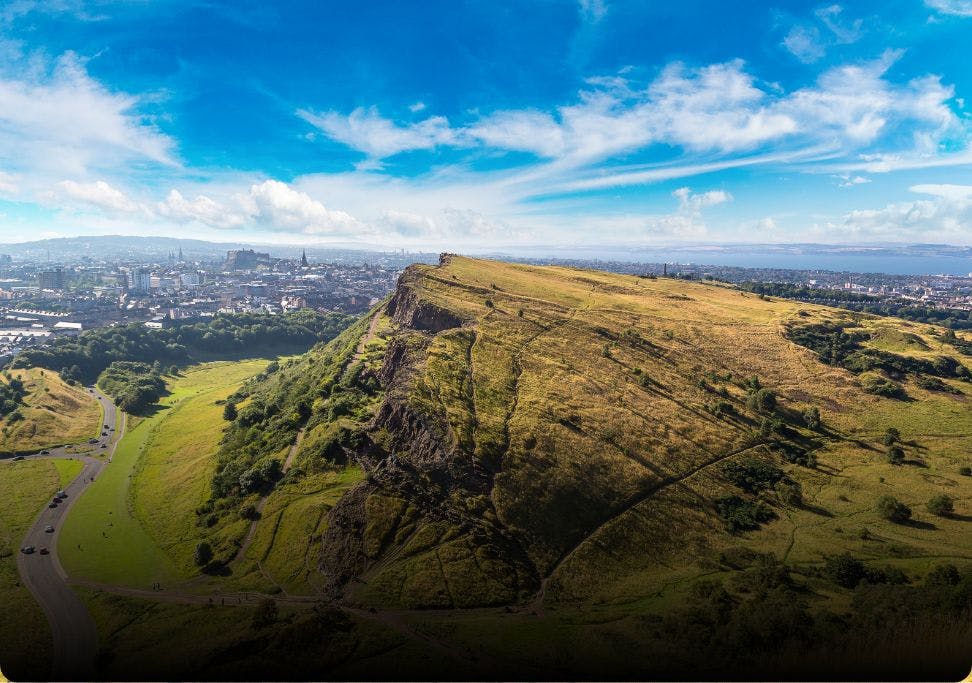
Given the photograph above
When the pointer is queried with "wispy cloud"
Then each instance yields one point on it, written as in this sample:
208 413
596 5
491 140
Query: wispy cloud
959 8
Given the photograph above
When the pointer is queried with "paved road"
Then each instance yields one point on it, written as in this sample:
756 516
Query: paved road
74 631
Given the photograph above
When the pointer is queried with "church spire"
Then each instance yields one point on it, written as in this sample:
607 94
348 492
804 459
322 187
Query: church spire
303 259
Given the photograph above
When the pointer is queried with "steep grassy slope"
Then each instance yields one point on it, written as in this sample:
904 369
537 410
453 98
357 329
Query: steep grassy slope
552 435
53 413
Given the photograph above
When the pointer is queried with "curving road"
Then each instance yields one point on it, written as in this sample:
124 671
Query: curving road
74 631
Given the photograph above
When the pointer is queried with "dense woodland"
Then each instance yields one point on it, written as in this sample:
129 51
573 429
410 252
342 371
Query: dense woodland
85 357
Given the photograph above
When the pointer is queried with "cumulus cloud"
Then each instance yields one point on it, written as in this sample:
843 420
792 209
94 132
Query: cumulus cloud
278 206
687 222
202 209
947 216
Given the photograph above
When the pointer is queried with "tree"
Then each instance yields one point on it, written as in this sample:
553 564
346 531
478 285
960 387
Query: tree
891 436
943 575
845 570
203 554
812 417
229 412
265 614
762 400
893 509
941 505
790 493
896 455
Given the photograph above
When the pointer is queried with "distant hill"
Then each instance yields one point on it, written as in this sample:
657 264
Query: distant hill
117 247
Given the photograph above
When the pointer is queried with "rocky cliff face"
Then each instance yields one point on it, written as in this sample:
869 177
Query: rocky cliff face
408 309
420 484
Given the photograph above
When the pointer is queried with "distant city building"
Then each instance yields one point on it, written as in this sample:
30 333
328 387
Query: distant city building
139 281
51 279
245 259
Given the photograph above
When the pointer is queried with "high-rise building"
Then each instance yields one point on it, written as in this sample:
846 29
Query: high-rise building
139 280
51 279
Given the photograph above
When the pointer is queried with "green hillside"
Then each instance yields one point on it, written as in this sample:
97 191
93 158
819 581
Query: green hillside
548 472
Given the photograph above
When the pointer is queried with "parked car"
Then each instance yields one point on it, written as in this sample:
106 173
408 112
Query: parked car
27 549
44 551
49 529
104 445
61 494
92 440
45 452
19 457
52 504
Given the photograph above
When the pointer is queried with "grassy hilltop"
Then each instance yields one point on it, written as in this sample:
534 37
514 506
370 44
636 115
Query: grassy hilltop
548 440
549 472
573 431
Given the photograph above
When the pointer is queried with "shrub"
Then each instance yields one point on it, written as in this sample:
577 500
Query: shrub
762 400
941 505
943 575
893 509
845 570
896 455
891 436
811 416
879 386
229 412
752 475
790 493
965 471
203 554
740 514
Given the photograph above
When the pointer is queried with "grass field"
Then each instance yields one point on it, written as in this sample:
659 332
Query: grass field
133 526
54 413
173 475
24 489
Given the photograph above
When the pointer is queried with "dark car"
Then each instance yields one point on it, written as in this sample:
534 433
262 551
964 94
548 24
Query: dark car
92 440
44 551
52 504
27 549
19 457
45 452
49 529
104 445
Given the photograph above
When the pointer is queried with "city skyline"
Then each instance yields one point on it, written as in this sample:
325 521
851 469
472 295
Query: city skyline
568 123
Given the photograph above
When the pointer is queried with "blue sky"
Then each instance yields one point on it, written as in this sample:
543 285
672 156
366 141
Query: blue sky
474 124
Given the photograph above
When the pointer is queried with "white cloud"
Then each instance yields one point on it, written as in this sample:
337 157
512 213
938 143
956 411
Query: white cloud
946 217
526 131
720 109
687 221
592 11
367 131
98 194
277 206
960 8
843 33
61 122
803 42
767 224
847 180
416 107
202 209
953 192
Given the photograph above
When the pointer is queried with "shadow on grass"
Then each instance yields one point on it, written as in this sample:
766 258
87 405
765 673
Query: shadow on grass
817 510
918 524
217 569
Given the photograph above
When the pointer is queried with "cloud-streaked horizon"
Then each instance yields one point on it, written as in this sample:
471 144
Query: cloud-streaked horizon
837 128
